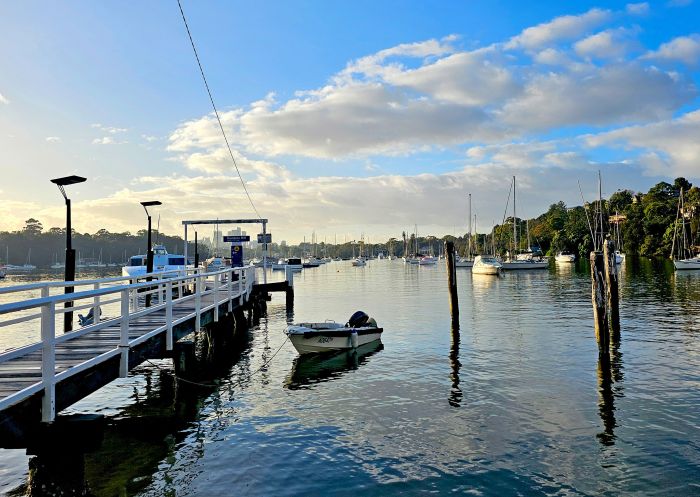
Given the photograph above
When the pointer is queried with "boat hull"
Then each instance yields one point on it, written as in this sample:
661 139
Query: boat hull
566 259
319 341
687 264
484 269
524 265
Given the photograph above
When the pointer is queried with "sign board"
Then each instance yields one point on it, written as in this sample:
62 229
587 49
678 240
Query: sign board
237 238
266 238
236 256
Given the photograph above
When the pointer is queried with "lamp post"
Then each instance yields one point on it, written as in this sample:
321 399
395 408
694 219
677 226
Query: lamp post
149 257
70 252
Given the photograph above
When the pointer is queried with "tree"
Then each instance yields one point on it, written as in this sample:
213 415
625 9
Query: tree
619 201
32 227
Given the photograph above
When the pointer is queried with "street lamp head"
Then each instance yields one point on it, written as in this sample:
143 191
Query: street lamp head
150 203
68 180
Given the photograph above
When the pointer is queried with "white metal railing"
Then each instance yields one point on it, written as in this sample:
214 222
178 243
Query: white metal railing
166 290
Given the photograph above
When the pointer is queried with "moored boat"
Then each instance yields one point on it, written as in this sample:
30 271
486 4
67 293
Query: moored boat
162 262
486 265
565 257
309 338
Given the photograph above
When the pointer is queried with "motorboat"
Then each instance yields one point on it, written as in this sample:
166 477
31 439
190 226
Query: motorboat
309 338
427 260
565 257
311 262
162 262
216 263
359 262
485 264
294 263
619 257
3 272
463 262
514 265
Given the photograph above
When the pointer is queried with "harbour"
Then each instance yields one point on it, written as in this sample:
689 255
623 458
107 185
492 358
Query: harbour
516 398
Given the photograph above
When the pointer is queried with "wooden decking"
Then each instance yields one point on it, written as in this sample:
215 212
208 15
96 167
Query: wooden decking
39 380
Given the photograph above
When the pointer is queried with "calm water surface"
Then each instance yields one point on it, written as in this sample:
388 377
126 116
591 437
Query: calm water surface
516 402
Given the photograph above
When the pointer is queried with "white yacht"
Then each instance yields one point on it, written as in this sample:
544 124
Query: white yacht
681 250
427 260
162 261
486 264
294 263
565 257
359 262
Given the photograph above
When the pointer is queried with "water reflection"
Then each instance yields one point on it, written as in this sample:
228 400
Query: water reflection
455 397
610 377
309 369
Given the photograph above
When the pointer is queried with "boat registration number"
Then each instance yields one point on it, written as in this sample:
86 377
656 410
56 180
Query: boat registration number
325 339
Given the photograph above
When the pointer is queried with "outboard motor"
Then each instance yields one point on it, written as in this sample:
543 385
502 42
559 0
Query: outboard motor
358 319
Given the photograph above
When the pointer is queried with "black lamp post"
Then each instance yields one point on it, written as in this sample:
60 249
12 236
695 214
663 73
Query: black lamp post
70 252
149 257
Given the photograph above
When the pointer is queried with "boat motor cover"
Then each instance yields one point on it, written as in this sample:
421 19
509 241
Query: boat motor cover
358 319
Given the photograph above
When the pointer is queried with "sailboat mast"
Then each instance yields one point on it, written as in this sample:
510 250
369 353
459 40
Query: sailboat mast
469 243
515 229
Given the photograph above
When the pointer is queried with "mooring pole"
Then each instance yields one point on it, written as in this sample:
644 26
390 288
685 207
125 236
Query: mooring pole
613 291
452 282
598 298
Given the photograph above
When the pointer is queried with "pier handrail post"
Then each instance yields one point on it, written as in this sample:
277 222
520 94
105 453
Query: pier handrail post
289 276
124 334
230 290
133 301
198 300
240 287
216 297
48 359
96 305
169 315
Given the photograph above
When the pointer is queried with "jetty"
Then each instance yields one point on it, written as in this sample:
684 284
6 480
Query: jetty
141 319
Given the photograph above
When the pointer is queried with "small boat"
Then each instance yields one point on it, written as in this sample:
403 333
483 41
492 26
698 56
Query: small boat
463 262
328 336
3 272
311 262
565 257
682 249
486 265
619 257
216 263
162 261
359 262
427 260
294 263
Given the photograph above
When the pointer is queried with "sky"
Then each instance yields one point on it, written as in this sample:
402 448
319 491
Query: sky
346 119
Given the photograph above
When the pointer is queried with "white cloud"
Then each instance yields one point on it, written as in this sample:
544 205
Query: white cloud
685 49
608 44
149 138
637 9
109 129
3 99
668 148
607 95
107 140
562 28
53 139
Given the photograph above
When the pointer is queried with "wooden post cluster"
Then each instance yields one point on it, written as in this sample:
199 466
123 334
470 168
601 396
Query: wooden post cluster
452 282
605 295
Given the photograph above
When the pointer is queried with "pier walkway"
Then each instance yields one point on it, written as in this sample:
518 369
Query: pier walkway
39 379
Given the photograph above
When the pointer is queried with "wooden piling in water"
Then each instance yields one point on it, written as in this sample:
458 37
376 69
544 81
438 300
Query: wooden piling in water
598 298
452 282
613 291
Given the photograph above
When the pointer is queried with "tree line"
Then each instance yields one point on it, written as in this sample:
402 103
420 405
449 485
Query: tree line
645 223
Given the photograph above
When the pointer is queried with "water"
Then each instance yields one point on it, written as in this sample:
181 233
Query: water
516 403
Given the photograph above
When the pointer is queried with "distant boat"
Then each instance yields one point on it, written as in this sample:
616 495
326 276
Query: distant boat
3 272
565 257
24 268
681 251
162 261
427 260
359 262
293 262
527 260
485 264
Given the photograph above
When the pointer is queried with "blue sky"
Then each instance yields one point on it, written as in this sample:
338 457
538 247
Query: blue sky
346 117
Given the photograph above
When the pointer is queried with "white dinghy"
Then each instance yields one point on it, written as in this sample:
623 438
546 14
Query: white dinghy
309 338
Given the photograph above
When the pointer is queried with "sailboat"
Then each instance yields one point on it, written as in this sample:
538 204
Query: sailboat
526 261
24 268
681 253
619 254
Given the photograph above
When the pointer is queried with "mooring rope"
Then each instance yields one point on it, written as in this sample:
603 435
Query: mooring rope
215 385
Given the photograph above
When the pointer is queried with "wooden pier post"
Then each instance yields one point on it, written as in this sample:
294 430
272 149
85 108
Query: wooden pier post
613 291
452 281
289 294
598 298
